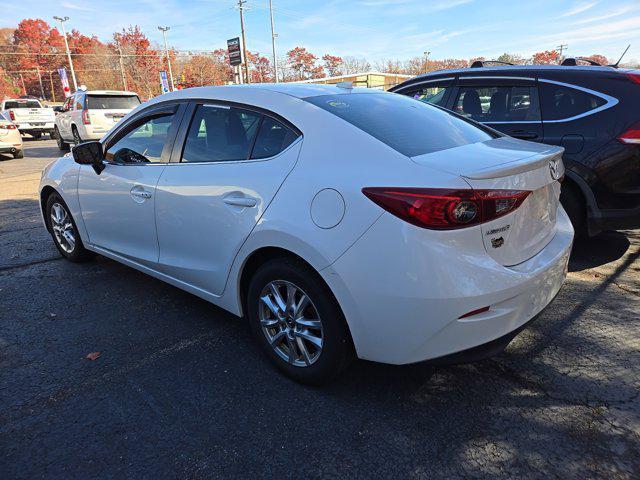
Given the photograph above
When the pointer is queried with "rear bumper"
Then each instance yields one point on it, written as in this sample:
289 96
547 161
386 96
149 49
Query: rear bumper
403 291
90 132
10 148
28 127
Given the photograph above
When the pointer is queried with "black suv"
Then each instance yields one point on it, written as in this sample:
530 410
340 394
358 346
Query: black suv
593 112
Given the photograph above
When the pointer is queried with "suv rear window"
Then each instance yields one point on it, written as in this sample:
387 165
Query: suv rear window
112 102
560 102
408 126
25 104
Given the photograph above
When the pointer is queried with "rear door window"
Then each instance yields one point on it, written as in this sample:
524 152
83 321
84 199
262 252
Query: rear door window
409 127
560 102
220 134
498 103
112 102
273 138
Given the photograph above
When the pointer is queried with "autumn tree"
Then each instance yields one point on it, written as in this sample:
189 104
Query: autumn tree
7 88
142 65
332 65
601 59
548 57
512 58
302 64
260 70
352 65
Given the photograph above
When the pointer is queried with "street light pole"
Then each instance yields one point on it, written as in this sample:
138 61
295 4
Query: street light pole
124 78
244 43
166 50
273 44
426 61
66 45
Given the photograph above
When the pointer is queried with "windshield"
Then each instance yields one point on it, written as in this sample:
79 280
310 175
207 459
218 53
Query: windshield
112 102
21 104
411 127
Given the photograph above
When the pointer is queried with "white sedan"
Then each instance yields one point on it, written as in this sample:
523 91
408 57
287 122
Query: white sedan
338 221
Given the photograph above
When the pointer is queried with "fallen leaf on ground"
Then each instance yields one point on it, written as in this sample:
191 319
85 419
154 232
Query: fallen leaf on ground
52 315
93 355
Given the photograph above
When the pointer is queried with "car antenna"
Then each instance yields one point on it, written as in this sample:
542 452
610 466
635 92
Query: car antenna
615 65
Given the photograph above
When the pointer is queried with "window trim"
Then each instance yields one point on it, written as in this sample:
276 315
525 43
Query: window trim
611 101
181 136
417 84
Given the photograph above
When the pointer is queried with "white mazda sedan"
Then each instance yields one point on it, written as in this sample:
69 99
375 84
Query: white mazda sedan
338 221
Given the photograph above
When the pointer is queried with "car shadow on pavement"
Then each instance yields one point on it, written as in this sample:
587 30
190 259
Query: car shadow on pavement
596 251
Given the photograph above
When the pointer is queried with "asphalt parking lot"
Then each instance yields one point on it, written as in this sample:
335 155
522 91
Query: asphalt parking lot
180 390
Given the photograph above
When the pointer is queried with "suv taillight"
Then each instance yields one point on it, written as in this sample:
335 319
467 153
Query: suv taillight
85 117
444 209
12 115
8 127
631 135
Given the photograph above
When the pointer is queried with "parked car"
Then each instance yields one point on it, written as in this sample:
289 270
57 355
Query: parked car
591 111
29 116
88 115
336 220
10 138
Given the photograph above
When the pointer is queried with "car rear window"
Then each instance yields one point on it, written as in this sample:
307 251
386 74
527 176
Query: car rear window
408 126
112 102
26 104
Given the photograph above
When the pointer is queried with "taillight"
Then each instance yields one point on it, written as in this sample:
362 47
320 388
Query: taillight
444 209
632 135
85 117
12 115
8 127
635 77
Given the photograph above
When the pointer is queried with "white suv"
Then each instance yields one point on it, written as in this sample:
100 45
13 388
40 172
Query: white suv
88 115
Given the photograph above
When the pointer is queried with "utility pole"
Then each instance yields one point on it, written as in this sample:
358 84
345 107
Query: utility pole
53 92
24 89
40 81
561 48
166 49
273 44
244 43
66 45
124 78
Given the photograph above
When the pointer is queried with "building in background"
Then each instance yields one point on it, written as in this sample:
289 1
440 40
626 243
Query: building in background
378 80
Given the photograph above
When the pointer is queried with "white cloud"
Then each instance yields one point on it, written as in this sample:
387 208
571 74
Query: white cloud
75 6
579 8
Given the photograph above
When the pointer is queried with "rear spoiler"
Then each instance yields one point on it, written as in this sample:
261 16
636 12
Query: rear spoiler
519 166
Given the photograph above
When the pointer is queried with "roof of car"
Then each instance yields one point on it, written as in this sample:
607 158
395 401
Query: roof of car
107 92
518 68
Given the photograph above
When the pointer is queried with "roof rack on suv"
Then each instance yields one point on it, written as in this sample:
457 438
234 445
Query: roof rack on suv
573 62
482 63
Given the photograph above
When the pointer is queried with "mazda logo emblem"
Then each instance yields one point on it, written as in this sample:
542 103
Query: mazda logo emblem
554 168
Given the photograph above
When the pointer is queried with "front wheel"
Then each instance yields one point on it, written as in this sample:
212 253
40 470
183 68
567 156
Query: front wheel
64 231
19 154
297 321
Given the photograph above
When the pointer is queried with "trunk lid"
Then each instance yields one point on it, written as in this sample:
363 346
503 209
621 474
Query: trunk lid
31 115
509 164
106 118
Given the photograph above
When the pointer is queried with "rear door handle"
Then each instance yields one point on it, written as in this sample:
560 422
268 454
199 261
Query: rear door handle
524 135
139 192
240 201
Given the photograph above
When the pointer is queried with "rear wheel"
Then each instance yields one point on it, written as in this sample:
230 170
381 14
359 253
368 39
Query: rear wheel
19 154
64 231
37 135
297 321
573 202
62 145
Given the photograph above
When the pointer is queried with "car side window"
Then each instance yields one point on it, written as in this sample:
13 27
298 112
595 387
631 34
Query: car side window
66 106
273 138
143 143
220 134
560 102
498 104
434 94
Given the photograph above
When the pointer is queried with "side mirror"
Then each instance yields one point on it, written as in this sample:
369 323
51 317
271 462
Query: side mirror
57 109
89 153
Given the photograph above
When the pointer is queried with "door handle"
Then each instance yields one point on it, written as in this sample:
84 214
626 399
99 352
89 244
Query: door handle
140 193
524 135
240 201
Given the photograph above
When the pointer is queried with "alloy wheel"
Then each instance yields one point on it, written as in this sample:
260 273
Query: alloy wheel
291 323
63 228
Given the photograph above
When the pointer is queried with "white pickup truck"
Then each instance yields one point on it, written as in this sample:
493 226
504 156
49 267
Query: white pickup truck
29 116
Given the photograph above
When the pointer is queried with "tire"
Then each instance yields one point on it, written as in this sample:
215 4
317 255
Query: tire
62 145
76 136
19 154
37 135
320 365
76 252
573 202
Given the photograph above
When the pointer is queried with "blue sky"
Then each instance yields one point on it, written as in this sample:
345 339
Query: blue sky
374 29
